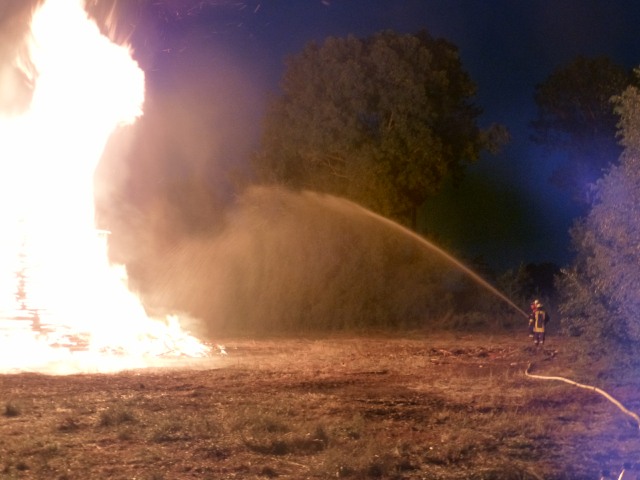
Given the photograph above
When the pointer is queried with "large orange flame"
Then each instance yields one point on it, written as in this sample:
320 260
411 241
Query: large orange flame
55 275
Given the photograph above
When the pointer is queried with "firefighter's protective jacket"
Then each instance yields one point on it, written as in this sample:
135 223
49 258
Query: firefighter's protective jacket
540 319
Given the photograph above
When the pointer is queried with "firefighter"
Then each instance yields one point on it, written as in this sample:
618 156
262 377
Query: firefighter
538 322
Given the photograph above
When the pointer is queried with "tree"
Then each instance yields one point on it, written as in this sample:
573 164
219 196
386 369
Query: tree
575 116
602 289
381 121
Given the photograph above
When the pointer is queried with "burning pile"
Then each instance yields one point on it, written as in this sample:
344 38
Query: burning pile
57 288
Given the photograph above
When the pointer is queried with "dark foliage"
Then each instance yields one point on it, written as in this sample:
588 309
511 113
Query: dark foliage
576 118
601 290
381 121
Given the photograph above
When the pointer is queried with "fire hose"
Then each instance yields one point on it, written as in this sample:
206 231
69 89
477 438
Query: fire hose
617 403
606 395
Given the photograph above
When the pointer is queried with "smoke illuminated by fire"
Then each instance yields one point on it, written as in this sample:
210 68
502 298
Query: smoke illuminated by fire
60 300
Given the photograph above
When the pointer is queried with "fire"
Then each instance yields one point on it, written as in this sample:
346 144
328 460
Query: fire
57 288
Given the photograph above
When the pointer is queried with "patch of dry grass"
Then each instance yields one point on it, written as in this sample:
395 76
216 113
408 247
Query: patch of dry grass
11 409
442 408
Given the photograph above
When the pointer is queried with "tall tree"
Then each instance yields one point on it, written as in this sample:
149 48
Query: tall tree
602 289
575 117
382 121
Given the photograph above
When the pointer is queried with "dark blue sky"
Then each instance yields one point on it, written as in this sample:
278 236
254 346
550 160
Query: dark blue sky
507 46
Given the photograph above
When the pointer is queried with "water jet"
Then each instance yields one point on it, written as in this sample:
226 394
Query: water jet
434 248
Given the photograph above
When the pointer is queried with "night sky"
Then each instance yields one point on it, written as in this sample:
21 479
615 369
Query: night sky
219 60
506 46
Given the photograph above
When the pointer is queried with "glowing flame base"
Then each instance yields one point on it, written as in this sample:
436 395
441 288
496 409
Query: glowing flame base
61 302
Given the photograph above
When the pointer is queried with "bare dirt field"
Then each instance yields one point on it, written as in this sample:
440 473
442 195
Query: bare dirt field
420 406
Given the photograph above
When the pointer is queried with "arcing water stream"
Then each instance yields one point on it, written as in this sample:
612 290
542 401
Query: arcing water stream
430 246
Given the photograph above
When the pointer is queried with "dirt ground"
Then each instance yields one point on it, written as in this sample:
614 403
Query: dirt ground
415 407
